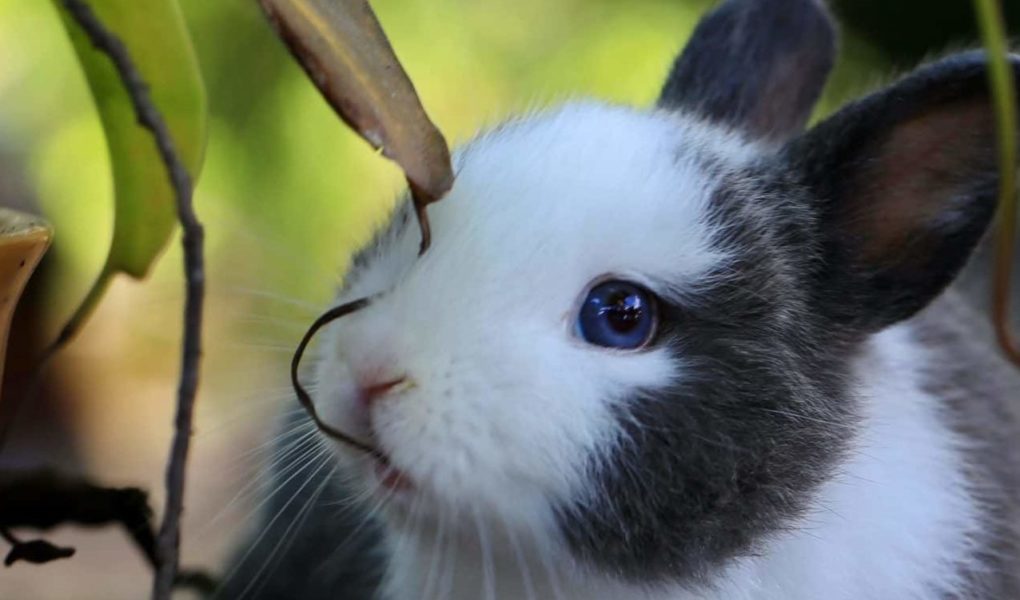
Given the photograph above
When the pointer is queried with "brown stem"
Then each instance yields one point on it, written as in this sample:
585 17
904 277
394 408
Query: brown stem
168 543
326 318
1004 251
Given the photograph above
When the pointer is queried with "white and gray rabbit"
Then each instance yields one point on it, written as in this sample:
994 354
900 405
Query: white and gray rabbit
691 352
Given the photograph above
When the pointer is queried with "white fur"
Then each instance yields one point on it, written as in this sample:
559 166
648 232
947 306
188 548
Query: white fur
505 403
897 523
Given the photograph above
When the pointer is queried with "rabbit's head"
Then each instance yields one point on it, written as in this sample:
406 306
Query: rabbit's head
632 336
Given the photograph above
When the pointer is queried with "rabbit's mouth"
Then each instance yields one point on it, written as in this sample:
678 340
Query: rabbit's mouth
390 478
381 470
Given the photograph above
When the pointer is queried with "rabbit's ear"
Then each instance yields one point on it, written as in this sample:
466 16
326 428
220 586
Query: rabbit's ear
906 181
755 65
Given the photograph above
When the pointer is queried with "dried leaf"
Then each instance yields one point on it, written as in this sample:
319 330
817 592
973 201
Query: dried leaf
343 49
23 241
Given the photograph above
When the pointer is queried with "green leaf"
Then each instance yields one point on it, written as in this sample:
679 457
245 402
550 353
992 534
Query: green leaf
157 39
145 213
1004 97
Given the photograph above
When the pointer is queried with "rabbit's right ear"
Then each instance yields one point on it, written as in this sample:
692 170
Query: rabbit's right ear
905 183
756 65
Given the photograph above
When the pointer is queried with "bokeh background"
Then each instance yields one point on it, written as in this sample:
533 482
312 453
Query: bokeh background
286 194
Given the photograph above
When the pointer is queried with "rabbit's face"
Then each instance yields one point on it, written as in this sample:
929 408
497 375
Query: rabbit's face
634 336
502 402
604 343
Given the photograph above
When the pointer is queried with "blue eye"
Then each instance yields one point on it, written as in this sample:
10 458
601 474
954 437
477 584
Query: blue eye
617 314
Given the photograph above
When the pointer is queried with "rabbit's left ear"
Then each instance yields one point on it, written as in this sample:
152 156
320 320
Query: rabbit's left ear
755 65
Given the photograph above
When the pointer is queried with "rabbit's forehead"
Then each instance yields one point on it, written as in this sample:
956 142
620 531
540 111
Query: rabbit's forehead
568 196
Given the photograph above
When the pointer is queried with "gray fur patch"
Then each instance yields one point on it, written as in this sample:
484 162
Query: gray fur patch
980 393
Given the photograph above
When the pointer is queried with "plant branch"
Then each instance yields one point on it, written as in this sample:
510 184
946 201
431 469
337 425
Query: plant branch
1004 98
168 543
44 499
33 551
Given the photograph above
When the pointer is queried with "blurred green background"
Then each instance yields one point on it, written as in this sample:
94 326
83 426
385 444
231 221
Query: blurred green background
286 194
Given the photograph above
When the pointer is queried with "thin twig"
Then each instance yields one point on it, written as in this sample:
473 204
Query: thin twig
1001 79
9 537
32 551
168 544
42 499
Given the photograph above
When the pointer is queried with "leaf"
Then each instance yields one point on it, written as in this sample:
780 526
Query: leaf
145 211
343 49
23 241
157 39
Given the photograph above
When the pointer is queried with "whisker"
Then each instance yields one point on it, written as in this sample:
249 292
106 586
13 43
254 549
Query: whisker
274 442
268 347
543 558
488 575
240 403
242 415
449 575
410 536
291 325
281 249
287 538
434 559
253 484
259 393
529 590
312 308
254 315
323 461
288 472
369 516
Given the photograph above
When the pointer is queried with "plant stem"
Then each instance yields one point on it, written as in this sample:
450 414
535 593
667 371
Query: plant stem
168 543
81 314
1004 98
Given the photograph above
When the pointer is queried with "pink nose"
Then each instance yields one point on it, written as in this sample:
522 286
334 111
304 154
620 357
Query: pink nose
373 391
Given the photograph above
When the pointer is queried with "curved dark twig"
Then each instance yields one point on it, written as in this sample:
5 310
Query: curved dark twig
304 398
33 551
43 499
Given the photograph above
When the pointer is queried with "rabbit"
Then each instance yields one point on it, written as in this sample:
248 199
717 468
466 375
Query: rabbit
690 352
